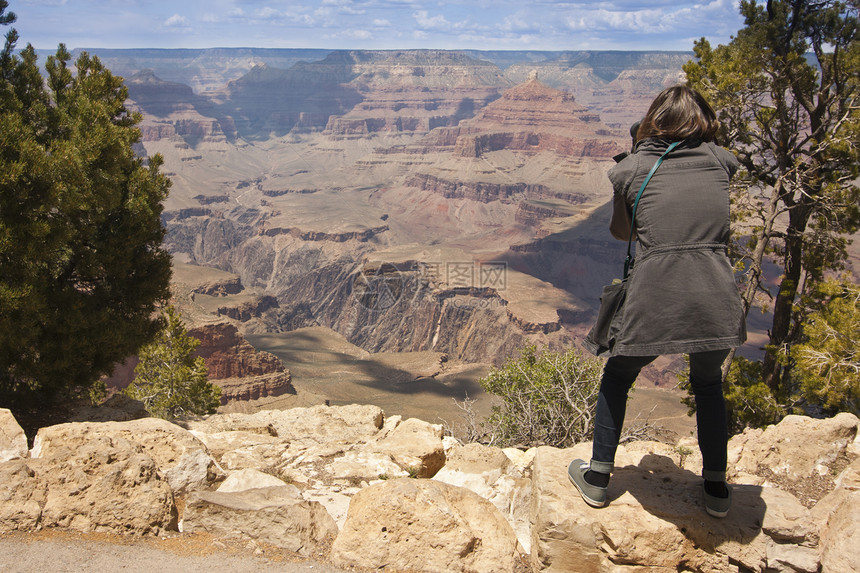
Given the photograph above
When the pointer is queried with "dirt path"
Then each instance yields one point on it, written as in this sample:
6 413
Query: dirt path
55 551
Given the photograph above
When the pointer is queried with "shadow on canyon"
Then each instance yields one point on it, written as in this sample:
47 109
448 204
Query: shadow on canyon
417 384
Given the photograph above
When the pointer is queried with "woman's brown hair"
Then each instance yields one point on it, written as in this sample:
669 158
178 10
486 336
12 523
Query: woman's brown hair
679 113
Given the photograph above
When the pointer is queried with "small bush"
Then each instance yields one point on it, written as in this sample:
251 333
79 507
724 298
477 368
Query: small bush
547 398
170 381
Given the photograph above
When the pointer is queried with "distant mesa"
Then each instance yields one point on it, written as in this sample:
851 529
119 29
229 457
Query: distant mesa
534 117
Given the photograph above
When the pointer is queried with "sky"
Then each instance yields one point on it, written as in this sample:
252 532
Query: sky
376 24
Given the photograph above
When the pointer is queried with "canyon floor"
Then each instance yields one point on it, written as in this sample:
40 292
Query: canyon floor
419 384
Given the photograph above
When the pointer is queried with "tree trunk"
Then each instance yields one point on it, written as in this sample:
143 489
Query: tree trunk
783 308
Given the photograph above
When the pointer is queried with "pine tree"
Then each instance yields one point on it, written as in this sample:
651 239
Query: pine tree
82 267
787 91
828 358
169 380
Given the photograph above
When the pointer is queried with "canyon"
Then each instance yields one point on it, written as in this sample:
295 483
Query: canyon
434 208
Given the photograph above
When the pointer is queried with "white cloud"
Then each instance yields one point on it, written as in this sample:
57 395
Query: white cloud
267 12
381 22
358 34
427 22
652 20
176 21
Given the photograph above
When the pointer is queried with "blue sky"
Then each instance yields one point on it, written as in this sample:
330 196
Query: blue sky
376 24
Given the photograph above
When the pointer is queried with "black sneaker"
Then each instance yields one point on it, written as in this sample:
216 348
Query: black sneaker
717 506
593 495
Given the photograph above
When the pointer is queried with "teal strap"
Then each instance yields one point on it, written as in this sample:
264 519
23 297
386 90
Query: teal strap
628 262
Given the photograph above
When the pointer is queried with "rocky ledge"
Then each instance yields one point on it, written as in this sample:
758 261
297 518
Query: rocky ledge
395 494
242 372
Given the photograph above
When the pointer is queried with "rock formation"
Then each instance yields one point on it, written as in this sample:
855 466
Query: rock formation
300 478
242 372
533 117
468 533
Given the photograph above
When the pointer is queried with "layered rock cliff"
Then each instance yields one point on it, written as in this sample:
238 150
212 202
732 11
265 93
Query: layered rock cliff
366 156
242 372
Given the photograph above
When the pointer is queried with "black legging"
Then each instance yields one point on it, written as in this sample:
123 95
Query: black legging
706 380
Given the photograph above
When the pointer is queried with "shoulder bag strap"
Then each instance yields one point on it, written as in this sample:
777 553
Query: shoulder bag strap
628 262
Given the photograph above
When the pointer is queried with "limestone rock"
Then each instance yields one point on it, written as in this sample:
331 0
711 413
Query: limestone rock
364 465
522 460
352 423
13 441
220 443
163 441
177 454
798 446
335 500
318 424
490 473
275 515
22 496
426 526
231 422
195 470
241 480
842 537
254 456
104 484
416 446
656 518
838 515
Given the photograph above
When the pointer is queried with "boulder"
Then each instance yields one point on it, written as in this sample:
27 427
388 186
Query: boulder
838 515
195 470
655 518
220 443
353 423
13 441
334 499
491 473
416 446
261 456
177 454
360 465
275 515
424 526
798 446
241 480
164 441
105 484
21 496
522 460
231 422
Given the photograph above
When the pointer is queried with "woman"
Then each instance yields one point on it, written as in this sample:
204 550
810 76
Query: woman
682 297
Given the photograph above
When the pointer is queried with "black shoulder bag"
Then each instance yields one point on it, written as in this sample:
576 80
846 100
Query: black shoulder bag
601 338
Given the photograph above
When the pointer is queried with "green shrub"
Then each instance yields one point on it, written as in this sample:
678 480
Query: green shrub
169 380
547 398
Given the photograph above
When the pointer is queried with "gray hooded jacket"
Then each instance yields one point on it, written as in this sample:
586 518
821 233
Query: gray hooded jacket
681 295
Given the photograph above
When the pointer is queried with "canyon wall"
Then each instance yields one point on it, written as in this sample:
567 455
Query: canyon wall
296 179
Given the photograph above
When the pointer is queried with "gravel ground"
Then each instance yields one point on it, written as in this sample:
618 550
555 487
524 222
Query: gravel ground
56 551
